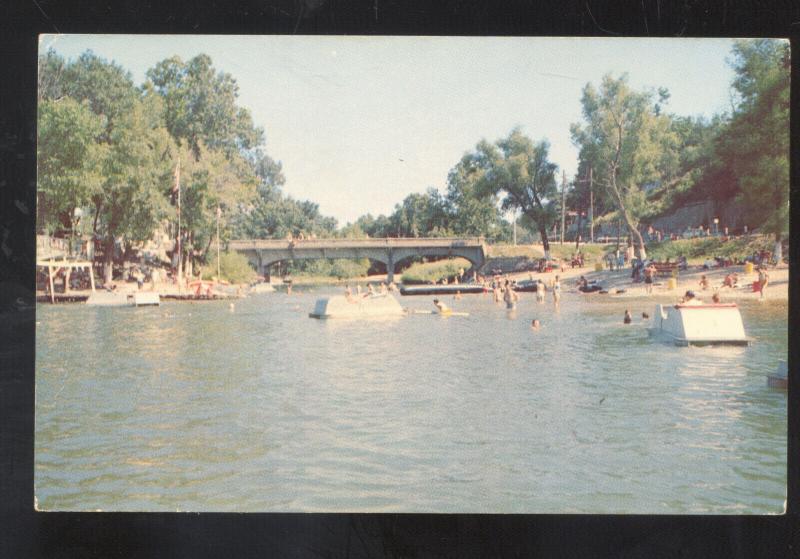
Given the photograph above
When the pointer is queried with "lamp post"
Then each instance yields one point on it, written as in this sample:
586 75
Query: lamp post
716 226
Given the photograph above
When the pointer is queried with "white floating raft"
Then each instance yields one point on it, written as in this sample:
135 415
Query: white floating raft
112 299
699 324
146 298
372 306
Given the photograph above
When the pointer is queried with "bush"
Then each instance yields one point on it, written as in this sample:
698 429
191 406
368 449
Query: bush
233 266
698 249
434 271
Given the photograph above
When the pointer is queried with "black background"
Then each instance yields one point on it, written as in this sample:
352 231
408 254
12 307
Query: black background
26 533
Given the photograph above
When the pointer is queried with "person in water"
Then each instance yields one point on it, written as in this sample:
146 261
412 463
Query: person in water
535 325
703 282
441 306
715 299
540 290
690 299
348 293
763 280
628 317
556 290
510 296
457 295
370 291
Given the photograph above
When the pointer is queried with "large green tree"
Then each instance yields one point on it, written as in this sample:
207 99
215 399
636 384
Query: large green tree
70 160
630 145
755 146
200 106
519 169
472 211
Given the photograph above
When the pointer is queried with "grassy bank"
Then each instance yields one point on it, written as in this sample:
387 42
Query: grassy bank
434 271
698 249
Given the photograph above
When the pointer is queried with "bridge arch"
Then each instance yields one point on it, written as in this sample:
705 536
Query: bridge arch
264 253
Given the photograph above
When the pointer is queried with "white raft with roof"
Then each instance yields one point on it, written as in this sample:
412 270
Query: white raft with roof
699 324
357 306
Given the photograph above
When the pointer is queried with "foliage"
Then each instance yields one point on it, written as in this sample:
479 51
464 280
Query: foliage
755 147
200 106
233 268
69 160
629 144
340 268
434 271
699 249
520 169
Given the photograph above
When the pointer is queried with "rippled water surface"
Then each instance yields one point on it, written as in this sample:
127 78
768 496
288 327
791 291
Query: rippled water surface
194 407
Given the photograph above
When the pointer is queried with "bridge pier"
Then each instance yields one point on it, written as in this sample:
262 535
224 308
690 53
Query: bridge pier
390 267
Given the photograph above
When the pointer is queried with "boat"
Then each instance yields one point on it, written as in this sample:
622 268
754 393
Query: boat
526 285
780 378
699 324
448 289
371 306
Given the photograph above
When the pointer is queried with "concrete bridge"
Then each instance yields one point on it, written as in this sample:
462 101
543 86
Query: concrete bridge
264 253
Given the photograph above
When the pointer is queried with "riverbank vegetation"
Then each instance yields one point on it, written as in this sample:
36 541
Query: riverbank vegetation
119 162
427 272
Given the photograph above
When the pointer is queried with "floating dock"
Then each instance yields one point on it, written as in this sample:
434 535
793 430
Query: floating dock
450 289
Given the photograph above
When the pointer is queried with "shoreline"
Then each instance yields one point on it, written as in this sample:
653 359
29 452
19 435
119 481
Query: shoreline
777 288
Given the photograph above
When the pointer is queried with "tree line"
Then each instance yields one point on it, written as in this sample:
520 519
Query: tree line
113 152
111 148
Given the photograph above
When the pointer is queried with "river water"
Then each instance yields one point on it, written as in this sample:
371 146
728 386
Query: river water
195 407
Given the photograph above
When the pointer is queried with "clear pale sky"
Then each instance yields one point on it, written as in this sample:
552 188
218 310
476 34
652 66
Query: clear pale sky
361 122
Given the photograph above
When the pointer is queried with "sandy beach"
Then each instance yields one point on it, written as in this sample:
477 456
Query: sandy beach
777 289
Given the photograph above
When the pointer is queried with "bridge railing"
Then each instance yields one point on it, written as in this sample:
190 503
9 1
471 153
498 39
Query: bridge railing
244 244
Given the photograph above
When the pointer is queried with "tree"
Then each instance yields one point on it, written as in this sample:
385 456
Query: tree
130 204
69 160
755 146
521 170
472 212
200 106
629 145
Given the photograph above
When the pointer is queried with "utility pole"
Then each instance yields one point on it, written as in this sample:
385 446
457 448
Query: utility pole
591 207
563 202
515 226
219 213
180 252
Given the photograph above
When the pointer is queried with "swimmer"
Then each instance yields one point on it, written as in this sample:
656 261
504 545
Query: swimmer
715 298
535 325
441 306
457 295
556 290
628 318
510 297
645 316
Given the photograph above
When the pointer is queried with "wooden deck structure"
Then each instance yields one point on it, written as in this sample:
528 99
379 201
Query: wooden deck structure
54 266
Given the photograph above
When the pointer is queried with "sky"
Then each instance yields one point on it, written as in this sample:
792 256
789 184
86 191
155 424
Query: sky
361 122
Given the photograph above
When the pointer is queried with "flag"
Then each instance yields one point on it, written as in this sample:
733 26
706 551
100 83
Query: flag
177 186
